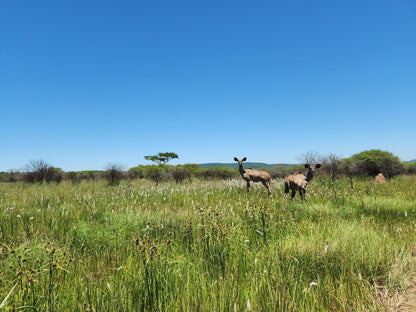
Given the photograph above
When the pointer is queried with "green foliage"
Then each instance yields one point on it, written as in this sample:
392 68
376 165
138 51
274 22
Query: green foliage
372 162
410 168
161 158
155 173
89 174
138 172
216 173
180 173
72 176
191 167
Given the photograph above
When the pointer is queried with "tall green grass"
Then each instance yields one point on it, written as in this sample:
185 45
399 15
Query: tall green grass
205 246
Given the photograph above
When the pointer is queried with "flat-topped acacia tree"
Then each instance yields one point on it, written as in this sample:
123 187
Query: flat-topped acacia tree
161 158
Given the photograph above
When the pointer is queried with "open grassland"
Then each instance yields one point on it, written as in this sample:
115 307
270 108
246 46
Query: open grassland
205 246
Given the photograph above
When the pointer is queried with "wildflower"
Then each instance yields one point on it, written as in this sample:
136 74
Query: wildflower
29 279
248 304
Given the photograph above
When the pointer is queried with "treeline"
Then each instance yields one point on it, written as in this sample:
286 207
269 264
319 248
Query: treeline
367 163
114 174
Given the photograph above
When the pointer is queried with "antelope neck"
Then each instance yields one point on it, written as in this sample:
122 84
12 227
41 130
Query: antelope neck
309 175
242 171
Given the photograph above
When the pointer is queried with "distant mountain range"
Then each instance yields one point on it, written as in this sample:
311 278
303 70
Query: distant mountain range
246 165
411 161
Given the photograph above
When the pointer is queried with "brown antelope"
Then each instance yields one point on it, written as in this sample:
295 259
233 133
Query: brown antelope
299 181
253 175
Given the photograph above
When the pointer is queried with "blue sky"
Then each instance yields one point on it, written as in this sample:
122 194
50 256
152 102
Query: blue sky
88 83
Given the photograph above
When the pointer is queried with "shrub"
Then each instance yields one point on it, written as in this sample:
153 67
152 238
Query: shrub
372 162
40 171
113 174
10 176
138 172
72 176
155 173
180 174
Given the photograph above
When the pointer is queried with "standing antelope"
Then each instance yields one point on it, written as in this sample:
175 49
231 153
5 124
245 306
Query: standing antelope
253 175
299 181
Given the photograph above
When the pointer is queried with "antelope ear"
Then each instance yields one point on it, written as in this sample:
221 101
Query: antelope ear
244 159
235 158
318 166
307 166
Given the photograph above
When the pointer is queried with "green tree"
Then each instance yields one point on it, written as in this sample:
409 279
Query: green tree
374 161
410 168
138 172
180 173
161 158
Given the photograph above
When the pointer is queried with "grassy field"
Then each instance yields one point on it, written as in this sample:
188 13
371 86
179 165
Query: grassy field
204 246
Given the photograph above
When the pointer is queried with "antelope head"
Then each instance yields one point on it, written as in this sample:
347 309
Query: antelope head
311 171
312 167
240 161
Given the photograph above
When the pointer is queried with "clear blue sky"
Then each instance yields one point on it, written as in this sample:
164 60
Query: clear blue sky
88 83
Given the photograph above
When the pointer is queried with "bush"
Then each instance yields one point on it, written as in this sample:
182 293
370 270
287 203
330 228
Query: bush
277 174
113 174
40 171
216 173
10 176
138 172
372 162
72 176
180 174
89 175
155 173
